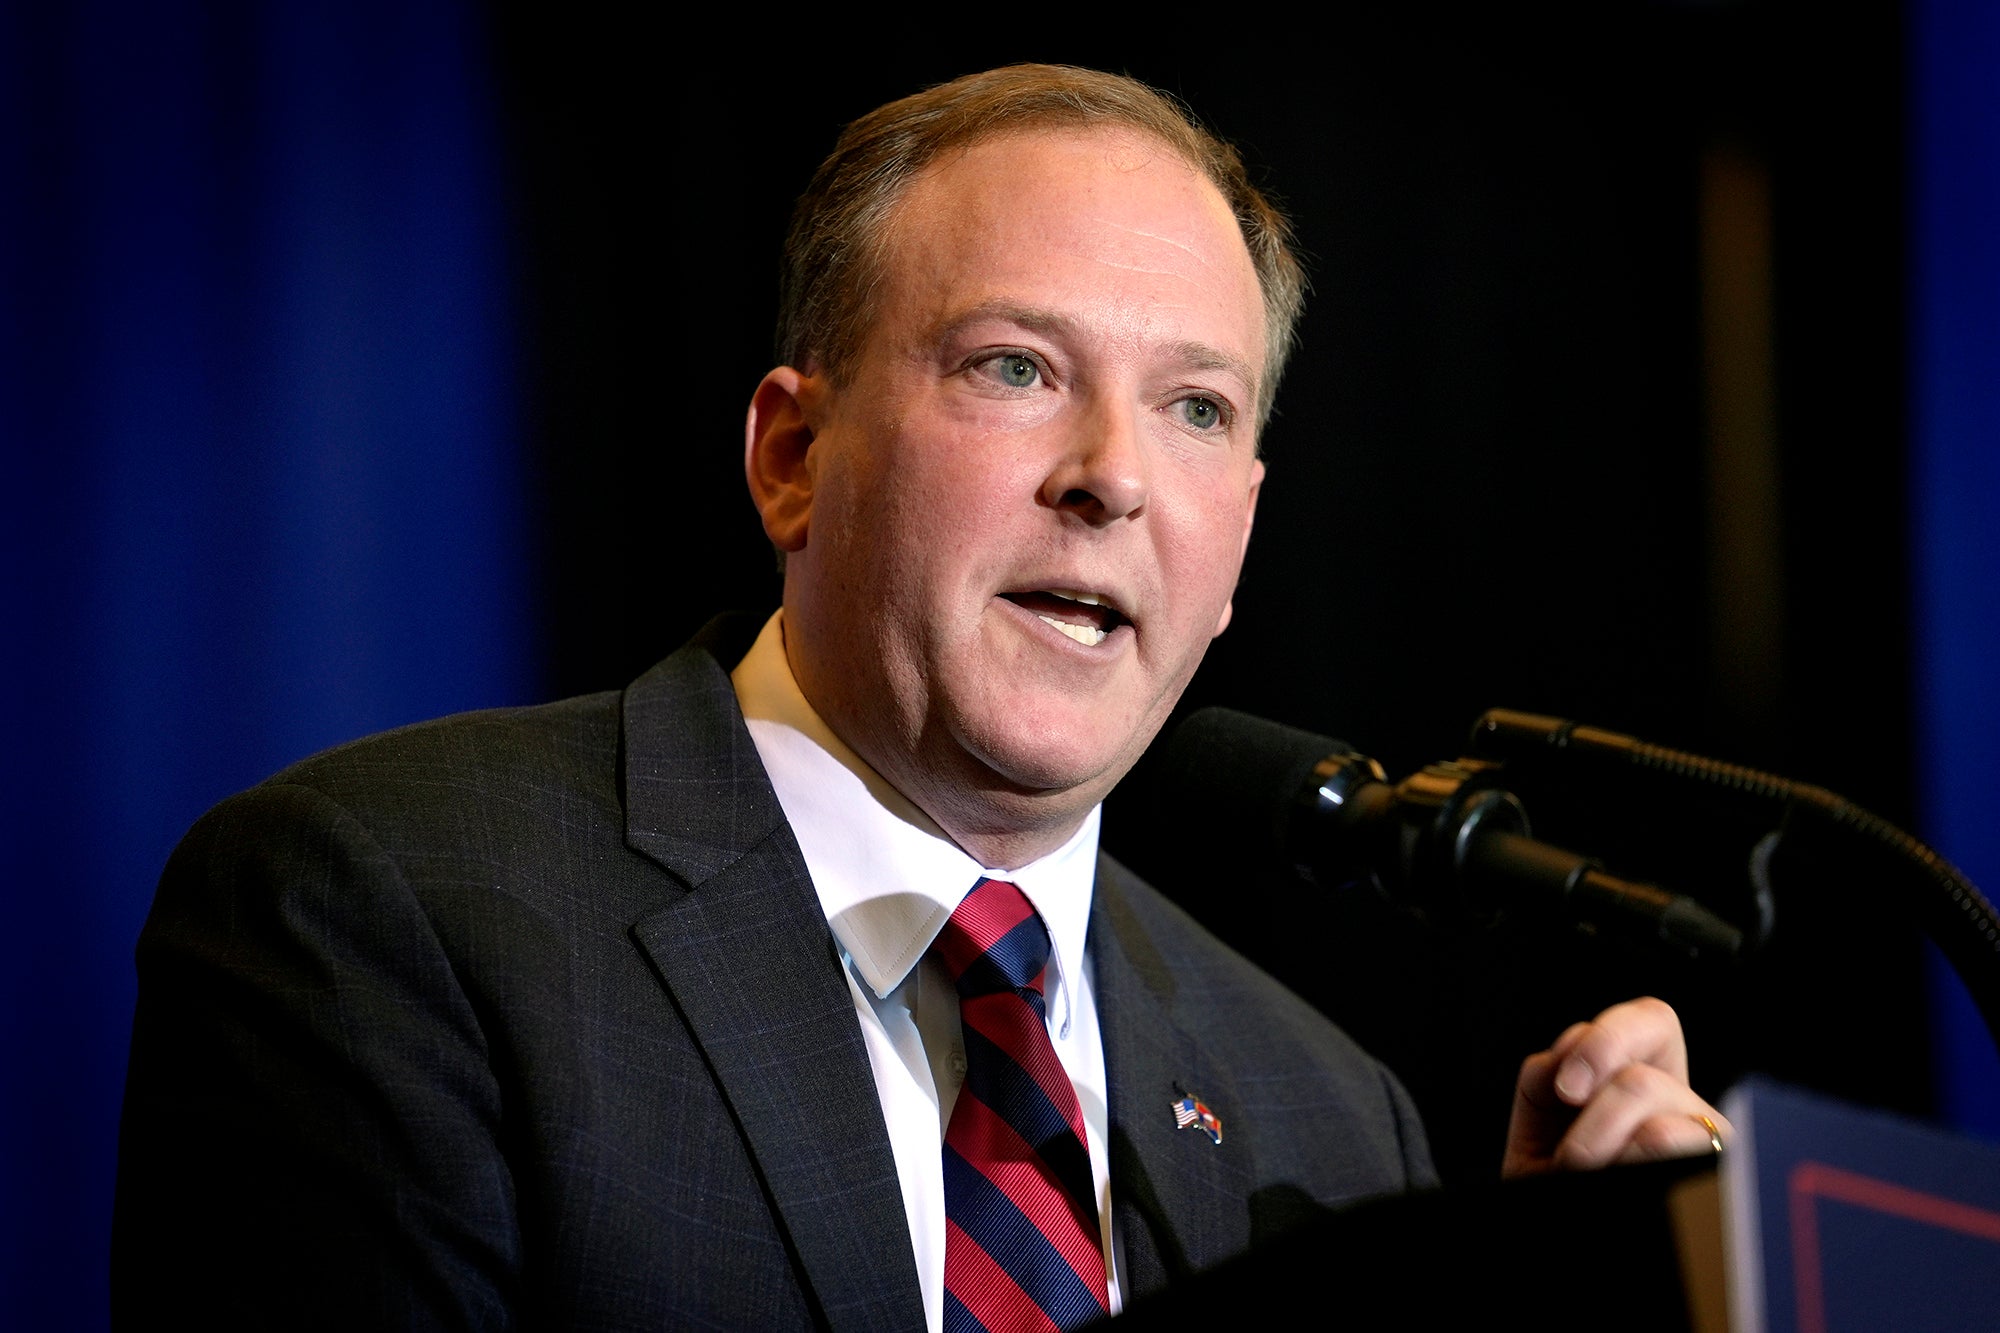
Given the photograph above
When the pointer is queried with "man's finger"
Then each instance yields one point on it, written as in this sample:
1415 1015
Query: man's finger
1638 1032
1641 1113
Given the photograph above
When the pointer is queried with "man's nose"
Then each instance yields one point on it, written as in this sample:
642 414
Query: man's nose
1100 474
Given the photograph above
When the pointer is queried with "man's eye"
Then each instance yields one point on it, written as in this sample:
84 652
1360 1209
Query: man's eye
1014 370
1202 413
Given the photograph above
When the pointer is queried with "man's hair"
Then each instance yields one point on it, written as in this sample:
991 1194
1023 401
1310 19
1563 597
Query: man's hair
834 254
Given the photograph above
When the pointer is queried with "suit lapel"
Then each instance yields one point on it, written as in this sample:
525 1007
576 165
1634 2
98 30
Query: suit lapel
747 959
1178 1198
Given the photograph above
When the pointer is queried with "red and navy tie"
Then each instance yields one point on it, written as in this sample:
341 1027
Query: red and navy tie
1022 1246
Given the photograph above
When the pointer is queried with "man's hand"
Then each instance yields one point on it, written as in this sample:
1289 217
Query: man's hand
1614 1089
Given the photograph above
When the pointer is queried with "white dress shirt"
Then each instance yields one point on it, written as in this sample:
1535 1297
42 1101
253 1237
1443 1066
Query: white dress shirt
888 879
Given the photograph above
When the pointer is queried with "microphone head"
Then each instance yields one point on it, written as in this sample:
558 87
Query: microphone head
1225 770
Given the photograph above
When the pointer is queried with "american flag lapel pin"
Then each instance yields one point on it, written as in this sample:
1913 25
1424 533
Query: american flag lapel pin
1191 1112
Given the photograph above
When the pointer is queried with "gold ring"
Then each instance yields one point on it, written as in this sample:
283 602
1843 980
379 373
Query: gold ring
1714 1134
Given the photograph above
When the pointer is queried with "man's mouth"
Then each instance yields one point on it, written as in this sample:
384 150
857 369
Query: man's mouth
1083 616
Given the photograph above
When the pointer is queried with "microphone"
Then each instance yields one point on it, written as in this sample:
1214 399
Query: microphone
1446 839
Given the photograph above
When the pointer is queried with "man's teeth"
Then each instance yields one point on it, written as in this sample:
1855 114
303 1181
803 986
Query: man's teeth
1087 598
1087 635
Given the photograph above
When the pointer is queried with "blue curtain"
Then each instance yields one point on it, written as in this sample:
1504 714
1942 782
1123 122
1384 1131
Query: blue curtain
265 485
1955 452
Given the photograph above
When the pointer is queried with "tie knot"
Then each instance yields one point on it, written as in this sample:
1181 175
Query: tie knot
994 942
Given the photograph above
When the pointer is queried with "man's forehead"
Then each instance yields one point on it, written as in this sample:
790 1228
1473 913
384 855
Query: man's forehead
1011 203
1115 151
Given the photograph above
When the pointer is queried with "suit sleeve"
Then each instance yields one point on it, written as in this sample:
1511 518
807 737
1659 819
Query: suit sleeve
311 1126
1419 1172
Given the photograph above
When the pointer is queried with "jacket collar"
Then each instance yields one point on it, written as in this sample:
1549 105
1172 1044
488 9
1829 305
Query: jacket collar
1178 1198
746 958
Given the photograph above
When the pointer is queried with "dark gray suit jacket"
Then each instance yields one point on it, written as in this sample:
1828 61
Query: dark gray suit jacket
532 1017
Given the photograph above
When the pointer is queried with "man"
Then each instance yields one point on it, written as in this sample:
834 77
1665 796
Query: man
652 1009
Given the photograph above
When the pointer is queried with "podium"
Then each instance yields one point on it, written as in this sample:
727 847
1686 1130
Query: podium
1840 1218
1821 1217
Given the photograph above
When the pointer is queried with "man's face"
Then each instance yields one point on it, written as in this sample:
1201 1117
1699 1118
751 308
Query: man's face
1015 529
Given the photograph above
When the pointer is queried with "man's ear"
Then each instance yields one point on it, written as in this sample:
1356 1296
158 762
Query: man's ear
777 454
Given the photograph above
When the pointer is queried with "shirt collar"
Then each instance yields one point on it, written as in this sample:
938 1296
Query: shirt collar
887 876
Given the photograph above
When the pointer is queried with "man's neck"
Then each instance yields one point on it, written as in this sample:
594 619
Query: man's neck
1000 826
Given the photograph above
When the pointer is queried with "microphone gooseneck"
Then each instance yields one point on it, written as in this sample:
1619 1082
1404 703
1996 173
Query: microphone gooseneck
1953 912
1448 838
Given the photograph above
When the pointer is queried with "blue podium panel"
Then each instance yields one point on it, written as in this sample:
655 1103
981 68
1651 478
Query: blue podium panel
1842 1218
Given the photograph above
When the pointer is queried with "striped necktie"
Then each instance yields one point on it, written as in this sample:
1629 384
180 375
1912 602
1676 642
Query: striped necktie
1022 1247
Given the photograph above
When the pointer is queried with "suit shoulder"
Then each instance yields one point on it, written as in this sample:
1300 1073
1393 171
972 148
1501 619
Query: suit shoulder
504 789
493 743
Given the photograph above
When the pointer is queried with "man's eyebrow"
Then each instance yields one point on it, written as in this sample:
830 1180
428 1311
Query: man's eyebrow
1190 354
1201 356
1033 318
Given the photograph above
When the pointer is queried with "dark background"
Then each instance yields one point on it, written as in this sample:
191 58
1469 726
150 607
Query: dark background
1490 472
362 362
